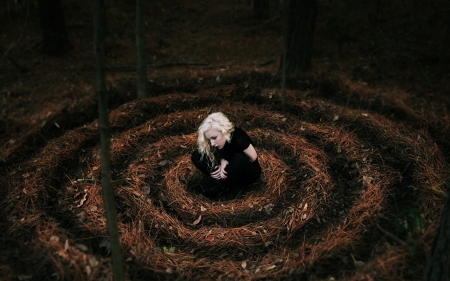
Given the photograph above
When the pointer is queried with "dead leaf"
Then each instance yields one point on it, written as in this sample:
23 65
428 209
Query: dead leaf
82 200
197 220
163 163
268 208
146 189
81 216
268 267
244 264
305 207
336 117
203 209
63 254
81 247
169 270
136 193
93 262
92 208
356 262
88 270
54 239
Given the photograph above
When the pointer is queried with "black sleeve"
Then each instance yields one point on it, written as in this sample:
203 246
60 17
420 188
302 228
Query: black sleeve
240 139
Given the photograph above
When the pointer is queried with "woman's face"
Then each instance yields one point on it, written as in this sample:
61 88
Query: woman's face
216 138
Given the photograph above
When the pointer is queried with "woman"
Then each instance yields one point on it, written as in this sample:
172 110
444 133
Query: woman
225 154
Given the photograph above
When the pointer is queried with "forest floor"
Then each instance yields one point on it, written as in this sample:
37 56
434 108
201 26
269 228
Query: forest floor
354 168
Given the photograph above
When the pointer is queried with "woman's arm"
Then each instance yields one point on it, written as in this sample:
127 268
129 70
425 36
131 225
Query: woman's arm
251 153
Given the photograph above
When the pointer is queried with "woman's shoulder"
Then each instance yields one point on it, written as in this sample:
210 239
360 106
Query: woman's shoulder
238 132
240 138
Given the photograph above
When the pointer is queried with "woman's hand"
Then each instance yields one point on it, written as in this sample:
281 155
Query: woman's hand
219 172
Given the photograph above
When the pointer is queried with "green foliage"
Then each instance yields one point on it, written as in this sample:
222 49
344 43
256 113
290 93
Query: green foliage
411 220
169 250
411 224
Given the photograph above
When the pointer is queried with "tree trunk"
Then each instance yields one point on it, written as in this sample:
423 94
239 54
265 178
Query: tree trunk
140 46
438 265
301 17
283 62
261 9
105 140
54 35
232 12
445 40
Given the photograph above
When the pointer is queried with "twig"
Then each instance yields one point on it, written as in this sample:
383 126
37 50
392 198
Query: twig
89 180
120 180
392 235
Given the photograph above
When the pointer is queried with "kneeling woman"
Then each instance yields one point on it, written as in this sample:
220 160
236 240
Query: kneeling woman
226 154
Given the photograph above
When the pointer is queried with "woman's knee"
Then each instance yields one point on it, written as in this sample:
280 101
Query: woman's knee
240 159
202 163
239 164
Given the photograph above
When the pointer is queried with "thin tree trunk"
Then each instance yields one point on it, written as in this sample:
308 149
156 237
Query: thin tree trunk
301 25
232 12
445 39
105 140
140 46
285 43
261 8
54 35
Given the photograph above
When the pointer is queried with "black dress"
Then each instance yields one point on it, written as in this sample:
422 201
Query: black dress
240 170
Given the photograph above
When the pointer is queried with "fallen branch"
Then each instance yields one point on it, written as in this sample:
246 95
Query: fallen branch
392 235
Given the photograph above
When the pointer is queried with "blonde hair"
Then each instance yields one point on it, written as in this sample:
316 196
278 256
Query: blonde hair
217 121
